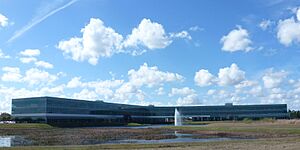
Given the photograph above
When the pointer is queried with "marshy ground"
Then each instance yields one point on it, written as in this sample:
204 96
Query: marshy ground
266 134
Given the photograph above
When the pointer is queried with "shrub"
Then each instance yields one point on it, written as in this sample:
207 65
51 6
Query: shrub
247 120
267 120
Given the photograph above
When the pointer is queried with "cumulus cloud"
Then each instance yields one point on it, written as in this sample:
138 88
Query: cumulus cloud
86 94
187 96
3 20
203 78
27 60
181 91
118 90
227 76
245 84
43 64
30 52
273 79
236 40
104 88
230 75
298 14
126 91
29 56
192 99
11 74
76 82
182 34
211 92
265 24
35 76
196 28
151 76
288 31
145 76
97 41
160 91
149 34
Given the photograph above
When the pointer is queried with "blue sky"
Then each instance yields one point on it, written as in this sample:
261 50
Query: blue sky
151 52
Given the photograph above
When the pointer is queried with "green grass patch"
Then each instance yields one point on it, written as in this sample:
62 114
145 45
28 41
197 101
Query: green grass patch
267 120
253 129
133 124
197 122
25 126
247 120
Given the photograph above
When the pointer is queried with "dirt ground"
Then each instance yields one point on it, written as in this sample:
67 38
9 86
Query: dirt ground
252 145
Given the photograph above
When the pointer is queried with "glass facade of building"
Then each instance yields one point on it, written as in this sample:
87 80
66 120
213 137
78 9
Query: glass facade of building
71 112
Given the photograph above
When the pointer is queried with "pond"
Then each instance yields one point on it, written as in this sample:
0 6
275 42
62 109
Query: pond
180 138
11 141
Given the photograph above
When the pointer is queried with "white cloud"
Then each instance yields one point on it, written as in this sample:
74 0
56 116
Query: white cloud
160 91
265 24
273 79
97 41
182 34
149 34
192 99
52 90
182 91
106 92
36 76
298 14
288 31
101 88
3 20
27 60
203 78
236 40
29 56
256 91
211 92
144 77
74 83
151 76
86 94
187 96
196 28
30 52
230 75
245 84
2 55
126 91
44 64
11 74
100 41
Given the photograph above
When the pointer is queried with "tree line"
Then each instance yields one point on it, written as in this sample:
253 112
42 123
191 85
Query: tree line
6 117
294 114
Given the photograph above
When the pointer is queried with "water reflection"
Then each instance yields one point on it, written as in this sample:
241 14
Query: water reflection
5 141
10 141
180 138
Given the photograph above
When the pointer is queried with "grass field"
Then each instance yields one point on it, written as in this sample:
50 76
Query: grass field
266 134
25 126
259 144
